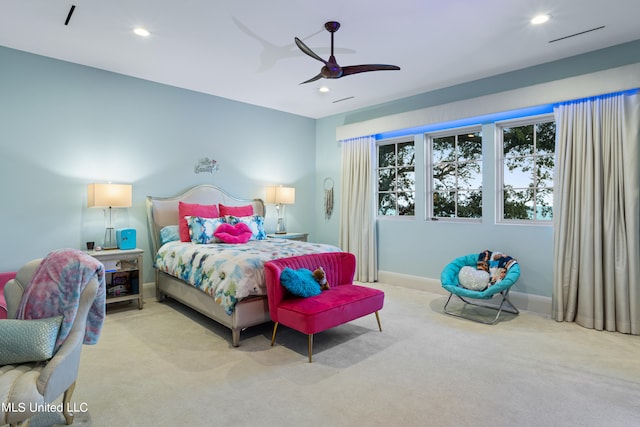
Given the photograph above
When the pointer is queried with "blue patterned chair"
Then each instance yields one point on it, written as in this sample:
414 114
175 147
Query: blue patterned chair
451 283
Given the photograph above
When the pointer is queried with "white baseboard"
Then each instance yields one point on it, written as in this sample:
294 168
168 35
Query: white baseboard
149 290
535 303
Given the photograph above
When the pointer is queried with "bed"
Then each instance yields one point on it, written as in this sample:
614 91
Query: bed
223 281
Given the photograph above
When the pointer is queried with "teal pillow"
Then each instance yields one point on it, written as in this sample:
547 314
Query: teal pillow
170 233
300 282
31 340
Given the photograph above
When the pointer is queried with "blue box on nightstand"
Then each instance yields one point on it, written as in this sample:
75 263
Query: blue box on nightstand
126 238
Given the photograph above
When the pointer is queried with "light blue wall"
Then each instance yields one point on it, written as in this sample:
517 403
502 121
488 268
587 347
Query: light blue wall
63 126
421 248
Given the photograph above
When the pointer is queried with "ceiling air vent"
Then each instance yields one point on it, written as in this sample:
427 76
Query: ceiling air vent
73 7
576 34
343 99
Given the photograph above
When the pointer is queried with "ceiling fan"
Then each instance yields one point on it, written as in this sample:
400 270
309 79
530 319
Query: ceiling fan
331 69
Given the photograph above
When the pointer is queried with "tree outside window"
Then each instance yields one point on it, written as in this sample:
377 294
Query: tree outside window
396 179
527 171
456 184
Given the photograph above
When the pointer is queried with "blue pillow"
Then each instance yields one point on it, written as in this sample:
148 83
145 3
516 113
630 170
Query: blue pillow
28 340
169 233
300 282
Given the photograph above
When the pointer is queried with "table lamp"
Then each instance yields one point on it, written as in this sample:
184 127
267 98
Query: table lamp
109 196
281 196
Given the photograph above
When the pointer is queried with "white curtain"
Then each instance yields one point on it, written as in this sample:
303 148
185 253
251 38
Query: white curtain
357 208
596 213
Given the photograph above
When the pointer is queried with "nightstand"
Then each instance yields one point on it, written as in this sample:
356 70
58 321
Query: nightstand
291 236
123 274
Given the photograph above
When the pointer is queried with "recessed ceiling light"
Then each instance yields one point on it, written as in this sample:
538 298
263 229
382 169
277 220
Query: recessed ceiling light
540 19
141 32
323 89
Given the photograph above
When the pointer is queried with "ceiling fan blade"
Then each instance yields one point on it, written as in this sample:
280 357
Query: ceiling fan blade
303 47
313 79
354 69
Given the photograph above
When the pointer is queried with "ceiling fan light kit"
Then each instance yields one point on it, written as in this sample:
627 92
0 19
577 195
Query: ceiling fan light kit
331 69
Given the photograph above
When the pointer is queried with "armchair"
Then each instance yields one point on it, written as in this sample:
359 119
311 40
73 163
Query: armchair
25 387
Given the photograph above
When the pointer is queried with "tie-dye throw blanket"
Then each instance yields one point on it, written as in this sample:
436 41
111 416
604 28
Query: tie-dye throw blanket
55 290
496 264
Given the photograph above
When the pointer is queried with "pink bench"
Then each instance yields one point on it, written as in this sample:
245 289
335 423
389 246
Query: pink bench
4 278
342 303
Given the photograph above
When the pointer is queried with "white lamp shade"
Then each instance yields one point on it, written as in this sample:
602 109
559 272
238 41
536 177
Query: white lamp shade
109 195
281 195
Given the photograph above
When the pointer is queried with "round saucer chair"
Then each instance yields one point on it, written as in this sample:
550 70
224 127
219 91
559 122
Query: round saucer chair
450 282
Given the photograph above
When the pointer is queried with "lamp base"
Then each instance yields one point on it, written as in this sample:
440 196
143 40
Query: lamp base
280 228
110 239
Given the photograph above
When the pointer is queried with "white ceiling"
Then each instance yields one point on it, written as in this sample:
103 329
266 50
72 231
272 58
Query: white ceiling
244 49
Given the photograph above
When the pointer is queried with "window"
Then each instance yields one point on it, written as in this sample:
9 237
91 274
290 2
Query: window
456 174
396 178
527 164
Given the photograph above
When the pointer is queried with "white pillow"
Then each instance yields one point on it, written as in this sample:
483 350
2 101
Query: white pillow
474 279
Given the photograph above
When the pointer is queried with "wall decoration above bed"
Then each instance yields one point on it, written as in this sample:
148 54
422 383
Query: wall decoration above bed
206 165
222 280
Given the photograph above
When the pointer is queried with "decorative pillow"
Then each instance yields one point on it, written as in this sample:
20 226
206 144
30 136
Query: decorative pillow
24 341
255 223
236 210
471 278
193 209
239 233
299 282
201 230
170 233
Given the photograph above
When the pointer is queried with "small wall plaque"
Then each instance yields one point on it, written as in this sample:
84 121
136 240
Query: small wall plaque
206 165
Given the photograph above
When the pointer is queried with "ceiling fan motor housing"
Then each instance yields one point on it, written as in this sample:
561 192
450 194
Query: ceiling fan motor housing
331 70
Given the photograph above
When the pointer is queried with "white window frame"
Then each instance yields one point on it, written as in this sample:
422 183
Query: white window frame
429 182
499 156
394 141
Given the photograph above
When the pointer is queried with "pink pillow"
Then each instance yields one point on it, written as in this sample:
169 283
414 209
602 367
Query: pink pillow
193 209
236 210
239 233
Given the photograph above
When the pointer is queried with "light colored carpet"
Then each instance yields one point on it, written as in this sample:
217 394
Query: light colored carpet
166 365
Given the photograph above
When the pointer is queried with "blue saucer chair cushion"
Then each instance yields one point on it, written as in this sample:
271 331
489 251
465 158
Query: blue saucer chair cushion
450 282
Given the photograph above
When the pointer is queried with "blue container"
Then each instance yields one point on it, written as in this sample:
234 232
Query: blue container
126 238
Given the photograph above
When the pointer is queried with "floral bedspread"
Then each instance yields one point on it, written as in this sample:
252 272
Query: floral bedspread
229 272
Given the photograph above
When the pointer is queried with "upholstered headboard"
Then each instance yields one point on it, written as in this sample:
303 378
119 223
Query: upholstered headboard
163 211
